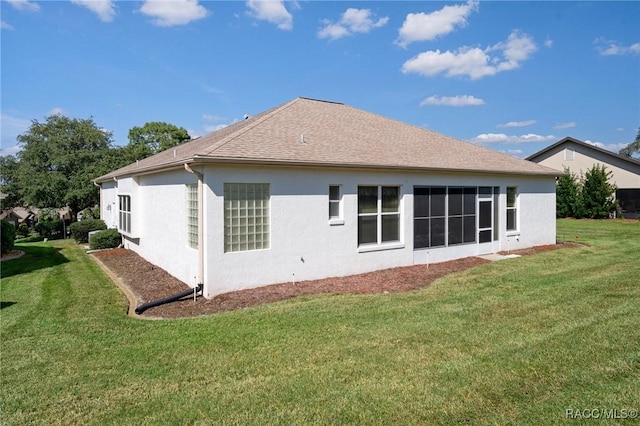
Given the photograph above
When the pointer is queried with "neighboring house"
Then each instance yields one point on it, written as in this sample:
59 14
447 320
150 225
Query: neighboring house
10 216
579 157
19 215
313 189
28 215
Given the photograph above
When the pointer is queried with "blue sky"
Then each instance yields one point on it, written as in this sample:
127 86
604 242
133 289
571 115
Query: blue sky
511 76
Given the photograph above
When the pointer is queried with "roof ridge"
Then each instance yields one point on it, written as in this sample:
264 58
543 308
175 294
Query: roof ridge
260 118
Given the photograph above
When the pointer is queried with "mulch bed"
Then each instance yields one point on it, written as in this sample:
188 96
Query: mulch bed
149 282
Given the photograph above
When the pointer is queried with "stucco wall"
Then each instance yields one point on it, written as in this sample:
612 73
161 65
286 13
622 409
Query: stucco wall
624 174
158 219
305 245
109 204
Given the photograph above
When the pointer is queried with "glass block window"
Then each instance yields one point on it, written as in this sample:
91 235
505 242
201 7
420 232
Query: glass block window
124 213
192 215
246 216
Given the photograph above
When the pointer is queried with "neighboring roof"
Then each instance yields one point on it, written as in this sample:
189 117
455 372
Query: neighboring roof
7 213
320 133
20 213
570 140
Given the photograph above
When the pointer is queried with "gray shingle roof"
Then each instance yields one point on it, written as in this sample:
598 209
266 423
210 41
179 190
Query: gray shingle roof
320 133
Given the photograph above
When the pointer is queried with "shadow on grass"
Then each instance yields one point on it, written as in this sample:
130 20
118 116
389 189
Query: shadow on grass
36 257
6 304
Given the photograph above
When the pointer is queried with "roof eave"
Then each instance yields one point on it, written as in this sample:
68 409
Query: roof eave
347 165
202 159
143 170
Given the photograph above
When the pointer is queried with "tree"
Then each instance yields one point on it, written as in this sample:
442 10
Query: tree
597 193
8 181
633 149
49 223
567 193
154 137
58 161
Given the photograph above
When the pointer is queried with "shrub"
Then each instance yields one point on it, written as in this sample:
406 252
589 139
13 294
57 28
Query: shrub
8 236
109 238
598 195
80 230
23 230
567 192
49 223
590 196
48 227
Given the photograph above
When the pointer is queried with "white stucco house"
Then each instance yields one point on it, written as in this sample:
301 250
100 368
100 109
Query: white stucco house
313 189
578 157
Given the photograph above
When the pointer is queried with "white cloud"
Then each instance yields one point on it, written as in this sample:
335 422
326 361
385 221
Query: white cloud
489 138
455 101
548 43
567 125
272 11
612 47
193 133
512 152
57 111
473 61
425 27
24 5
105 9
352 21
213 117
518 123
172 13
12 150
216 127
6 26
613 147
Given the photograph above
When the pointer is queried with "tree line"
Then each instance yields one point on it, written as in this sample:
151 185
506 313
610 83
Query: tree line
60 158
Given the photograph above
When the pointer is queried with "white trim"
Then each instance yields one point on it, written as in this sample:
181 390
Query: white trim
366 248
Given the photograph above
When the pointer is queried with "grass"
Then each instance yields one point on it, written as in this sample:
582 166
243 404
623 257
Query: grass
512 342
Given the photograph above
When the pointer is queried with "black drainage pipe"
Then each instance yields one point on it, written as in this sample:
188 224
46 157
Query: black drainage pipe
140 309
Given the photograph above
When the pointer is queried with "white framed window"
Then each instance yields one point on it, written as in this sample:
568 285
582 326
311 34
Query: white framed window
335 204
569 154
246 216
124 213
512 208
378 214
192 214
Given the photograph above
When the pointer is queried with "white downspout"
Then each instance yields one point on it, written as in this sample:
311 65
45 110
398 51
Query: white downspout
200 224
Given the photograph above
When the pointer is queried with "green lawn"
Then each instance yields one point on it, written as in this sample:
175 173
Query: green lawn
513 342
